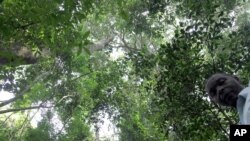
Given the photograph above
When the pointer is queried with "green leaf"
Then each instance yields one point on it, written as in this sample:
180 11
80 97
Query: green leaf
86 35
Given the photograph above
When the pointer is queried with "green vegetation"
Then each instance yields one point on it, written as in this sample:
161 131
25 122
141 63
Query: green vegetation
56 58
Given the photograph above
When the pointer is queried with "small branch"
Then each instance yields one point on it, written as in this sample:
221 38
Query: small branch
64 97
63 127
23 109
101 44
6 119
223 113
224 130
126 45
26 25
21 129
27 88
82 75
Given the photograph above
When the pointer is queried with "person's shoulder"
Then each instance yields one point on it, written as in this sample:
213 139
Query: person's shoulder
245 92
246 111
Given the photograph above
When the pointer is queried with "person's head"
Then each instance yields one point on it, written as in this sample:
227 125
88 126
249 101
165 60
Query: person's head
224 89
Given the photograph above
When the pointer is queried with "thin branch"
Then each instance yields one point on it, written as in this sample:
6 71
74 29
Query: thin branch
101 44
63 127
25 108
21 129
6 119
26 25
223 113
126 45
34 114
27 88
224 130
216 115
82 75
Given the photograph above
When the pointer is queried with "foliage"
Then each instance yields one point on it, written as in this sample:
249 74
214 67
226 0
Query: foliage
56 58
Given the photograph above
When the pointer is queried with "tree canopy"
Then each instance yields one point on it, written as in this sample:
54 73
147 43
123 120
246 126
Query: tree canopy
144 63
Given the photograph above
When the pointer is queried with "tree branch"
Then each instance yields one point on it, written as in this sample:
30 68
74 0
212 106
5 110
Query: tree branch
101 44
8 117
126 46
25 108
24 91
223 113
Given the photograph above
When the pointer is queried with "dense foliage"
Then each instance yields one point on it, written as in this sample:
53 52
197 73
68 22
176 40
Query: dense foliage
142 62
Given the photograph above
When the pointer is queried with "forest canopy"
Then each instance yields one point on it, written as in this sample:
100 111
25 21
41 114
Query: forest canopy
142 63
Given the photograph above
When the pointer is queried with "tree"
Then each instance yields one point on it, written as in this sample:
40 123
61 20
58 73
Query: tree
55 57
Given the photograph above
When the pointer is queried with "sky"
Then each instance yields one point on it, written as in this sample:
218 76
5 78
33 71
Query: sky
107 129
